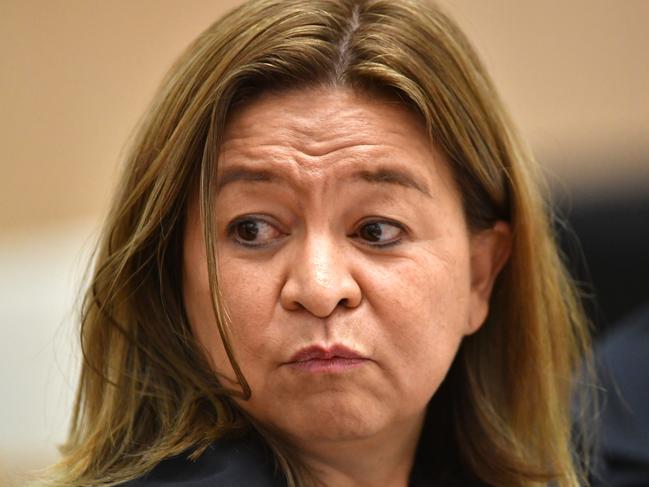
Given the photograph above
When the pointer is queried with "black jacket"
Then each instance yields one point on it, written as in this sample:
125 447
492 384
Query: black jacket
247 462
623 360
240 462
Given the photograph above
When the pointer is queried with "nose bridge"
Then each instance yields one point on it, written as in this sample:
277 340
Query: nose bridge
319 279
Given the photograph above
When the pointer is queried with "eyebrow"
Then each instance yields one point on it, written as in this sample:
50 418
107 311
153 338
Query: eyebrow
384 175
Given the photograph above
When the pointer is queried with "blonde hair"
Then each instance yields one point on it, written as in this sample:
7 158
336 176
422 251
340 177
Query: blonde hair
146 391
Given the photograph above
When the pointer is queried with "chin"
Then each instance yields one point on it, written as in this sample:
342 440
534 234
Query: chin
334 421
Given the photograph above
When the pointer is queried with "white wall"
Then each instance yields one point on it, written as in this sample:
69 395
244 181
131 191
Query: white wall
40 274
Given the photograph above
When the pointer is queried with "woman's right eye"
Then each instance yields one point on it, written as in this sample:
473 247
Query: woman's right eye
253 232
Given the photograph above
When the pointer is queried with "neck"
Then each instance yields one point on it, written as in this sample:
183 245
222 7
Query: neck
384 459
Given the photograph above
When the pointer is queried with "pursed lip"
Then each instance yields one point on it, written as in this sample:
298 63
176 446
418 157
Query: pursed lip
318 352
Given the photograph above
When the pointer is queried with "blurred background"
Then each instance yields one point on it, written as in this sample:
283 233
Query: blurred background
75 76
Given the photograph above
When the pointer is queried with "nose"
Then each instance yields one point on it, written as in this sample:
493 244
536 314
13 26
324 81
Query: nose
319 279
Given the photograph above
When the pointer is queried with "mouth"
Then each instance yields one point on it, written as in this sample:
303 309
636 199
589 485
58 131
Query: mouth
336 358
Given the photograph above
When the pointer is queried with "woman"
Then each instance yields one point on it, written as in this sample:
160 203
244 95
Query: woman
330 253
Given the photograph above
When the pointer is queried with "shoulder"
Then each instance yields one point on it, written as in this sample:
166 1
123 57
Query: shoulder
630 335
622 361
226 463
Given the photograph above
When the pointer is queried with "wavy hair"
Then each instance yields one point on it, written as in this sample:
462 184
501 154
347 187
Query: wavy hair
146 390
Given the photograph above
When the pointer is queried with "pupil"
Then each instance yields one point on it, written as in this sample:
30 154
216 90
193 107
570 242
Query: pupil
371 231
247 230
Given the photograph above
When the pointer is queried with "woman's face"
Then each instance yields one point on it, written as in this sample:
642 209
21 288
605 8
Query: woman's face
345 264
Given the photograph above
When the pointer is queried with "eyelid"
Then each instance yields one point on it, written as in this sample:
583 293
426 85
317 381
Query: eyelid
367 221
230 229
390 243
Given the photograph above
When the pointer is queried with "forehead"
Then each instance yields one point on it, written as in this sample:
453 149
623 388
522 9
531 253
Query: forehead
327 132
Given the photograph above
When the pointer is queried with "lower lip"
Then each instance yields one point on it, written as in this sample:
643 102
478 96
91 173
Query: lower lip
336 364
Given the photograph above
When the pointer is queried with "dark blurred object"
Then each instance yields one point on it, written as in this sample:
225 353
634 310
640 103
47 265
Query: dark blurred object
611 257
622 458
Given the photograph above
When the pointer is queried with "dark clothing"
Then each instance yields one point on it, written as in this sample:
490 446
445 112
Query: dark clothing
240 462
623 362
247 462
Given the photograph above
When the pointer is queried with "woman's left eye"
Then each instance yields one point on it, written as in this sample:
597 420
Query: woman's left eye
380 233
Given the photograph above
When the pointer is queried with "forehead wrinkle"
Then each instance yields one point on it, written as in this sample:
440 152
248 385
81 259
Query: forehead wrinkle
288 144
288 139
314 133
292 154
373 163
307 144
327 137
312 183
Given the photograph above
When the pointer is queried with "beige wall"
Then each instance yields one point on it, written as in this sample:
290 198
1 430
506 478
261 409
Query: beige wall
75 75
574 74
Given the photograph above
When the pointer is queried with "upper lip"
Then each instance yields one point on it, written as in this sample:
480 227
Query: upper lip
318 352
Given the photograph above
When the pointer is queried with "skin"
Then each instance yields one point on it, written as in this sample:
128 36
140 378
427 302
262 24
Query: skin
320 279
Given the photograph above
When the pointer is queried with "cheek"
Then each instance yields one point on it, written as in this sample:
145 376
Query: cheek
237 293
423 304
198 304
249 293
250 296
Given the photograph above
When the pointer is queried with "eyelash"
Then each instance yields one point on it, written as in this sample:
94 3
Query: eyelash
231 229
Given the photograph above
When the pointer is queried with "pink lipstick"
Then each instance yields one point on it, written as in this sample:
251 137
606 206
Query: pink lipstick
336 358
